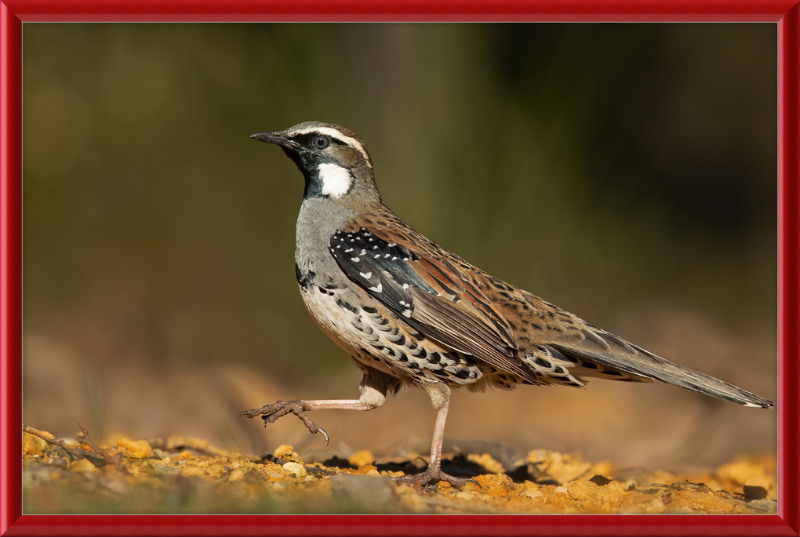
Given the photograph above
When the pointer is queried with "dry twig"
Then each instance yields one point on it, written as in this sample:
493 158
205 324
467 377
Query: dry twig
114 459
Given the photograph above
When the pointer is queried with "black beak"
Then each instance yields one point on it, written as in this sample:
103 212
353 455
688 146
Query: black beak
275 137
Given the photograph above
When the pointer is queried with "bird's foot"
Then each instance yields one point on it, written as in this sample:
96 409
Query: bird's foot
271 413
433 476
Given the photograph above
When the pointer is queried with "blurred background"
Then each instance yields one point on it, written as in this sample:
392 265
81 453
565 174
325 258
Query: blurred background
626 172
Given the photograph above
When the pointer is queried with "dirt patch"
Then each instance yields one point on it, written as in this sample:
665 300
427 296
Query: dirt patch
184 475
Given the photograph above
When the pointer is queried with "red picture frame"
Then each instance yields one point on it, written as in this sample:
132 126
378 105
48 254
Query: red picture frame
786 13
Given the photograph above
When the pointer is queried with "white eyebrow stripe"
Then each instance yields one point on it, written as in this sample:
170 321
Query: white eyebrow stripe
333 133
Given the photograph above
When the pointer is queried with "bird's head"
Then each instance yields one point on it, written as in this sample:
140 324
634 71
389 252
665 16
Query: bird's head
333 159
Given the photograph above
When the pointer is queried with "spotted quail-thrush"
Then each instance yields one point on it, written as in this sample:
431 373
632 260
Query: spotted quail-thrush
411 313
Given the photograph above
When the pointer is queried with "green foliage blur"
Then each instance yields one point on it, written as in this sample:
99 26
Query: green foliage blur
597 165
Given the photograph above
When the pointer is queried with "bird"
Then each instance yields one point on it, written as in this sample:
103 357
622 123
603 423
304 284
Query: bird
411 313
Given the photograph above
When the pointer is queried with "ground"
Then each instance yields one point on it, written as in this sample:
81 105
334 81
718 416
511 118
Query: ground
185 475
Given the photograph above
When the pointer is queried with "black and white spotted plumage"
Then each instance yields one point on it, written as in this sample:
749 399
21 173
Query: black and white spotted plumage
377 340
517 335
402 281
379 266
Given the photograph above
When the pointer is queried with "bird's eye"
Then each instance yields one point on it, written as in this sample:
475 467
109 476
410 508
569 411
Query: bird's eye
321 142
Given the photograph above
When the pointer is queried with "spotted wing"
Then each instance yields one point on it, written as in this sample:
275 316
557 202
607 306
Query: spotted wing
431 294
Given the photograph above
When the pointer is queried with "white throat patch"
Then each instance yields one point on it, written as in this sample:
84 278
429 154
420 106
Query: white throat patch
336 181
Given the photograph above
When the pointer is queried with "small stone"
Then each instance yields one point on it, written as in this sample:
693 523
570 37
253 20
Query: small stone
294 468
583 490
756 488
561 490
531 493
32 444
136 449
285 452
82 466
72 443
368 470
530 485
360 458
236 475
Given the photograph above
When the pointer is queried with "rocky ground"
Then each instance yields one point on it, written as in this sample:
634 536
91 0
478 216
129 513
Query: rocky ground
184 475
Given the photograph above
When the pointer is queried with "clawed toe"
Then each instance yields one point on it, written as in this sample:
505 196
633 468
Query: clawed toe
271 413
252 413
321 430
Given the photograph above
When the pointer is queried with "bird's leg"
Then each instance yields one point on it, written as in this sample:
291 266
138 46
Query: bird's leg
434 471
370 399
